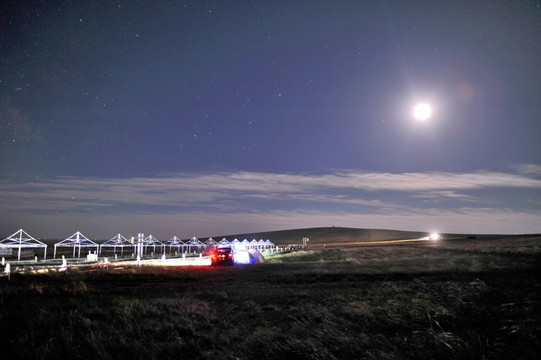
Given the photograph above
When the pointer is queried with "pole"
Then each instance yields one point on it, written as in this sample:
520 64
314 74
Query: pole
140 237
7 270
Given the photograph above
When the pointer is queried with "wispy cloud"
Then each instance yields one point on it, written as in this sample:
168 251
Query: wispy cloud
528 169
443 194
263 198
69 194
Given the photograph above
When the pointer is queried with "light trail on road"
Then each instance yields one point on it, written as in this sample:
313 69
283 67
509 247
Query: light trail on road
367 243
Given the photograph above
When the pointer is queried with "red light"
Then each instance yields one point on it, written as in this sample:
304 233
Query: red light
230 255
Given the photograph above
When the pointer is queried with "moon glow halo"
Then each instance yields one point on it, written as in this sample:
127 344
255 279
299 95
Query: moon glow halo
422 111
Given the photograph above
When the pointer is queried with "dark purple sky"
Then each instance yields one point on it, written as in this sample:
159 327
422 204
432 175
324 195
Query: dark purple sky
209 117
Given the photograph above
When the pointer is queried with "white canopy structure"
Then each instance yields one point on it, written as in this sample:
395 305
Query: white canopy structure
175 241
253 244
245 244
235 244
195 242
152 241
224 242
21 239
261 244
211 242
118 241
76 240
268 244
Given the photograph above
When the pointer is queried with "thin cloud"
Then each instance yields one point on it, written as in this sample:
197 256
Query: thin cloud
528 169
219 189
446 194
253 201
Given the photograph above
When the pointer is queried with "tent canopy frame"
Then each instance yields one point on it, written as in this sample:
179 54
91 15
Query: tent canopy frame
20 239
175 241
77 240
118 241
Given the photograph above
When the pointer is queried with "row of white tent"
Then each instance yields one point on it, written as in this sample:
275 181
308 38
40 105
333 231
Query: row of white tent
21 240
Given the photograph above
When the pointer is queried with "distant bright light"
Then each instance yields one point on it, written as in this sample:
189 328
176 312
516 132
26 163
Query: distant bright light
242 257
434 236
422 111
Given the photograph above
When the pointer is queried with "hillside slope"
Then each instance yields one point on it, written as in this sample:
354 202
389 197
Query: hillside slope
327 235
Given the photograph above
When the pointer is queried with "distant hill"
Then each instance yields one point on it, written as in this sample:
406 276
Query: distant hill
327 235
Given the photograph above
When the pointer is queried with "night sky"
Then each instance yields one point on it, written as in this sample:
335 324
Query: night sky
201 118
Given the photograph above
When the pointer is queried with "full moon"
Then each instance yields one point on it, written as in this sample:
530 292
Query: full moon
422 111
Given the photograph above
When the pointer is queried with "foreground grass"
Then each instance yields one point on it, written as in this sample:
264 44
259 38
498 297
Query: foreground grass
454 300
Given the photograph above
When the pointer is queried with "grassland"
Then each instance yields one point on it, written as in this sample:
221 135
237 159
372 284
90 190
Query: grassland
474 298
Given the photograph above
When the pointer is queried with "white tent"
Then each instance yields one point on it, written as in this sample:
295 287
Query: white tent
235 244
195 242
21 239
268 244
152 241
211 242
76 240
118 241
245 244
224 242
175 241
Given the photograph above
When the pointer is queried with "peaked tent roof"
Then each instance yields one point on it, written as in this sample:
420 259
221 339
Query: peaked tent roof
76 239
174 241
195 241
151 240
118 240
224 242
211 242
21 239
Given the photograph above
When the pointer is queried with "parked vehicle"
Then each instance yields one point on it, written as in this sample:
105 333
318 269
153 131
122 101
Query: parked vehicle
222 256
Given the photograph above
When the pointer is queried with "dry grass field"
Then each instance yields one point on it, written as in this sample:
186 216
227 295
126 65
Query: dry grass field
465 298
